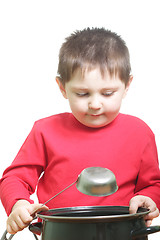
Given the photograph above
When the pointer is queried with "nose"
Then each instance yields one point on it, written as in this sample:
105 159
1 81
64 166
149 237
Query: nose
95 103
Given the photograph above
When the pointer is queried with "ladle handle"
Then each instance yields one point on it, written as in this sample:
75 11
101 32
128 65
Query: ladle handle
32 214
59 193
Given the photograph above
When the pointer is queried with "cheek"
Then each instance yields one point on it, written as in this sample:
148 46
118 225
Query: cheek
77 106
114 105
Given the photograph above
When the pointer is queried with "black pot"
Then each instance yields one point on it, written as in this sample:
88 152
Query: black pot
93 223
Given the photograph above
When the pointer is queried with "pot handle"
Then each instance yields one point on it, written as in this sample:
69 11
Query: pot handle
36 228
145 231
4 236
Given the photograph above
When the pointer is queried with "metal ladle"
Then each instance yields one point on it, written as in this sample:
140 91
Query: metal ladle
94 181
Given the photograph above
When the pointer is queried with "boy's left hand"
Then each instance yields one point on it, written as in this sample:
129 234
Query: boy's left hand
146 202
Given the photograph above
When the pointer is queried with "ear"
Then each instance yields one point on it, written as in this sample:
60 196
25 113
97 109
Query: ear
61 87
128 85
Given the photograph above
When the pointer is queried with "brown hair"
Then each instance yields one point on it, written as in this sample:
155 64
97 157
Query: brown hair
93 47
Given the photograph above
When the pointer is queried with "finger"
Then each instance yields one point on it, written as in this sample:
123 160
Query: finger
152 214
9 229
23 221
153 208
18 222
148 223
42 208
133 207
34 208
150 204
13 228
23 217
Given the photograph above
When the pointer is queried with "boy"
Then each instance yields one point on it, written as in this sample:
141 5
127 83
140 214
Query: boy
94 75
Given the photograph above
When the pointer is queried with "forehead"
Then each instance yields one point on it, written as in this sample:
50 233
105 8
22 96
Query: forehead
91 77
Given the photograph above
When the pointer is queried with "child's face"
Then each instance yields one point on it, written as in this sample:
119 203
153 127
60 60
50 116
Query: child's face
95 101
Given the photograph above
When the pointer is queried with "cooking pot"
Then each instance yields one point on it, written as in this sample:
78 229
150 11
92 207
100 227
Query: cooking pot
93 223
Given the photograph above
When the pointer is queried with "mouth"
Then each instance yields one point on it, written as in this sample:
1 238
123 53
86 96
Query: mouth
95 115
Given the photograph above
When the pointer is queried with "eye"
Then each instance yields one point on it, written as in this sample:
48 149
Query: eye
108 94
81 94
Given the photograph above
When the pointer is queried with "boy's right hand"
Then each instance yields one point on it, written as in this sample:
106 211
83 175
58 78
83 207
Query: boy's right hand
21 215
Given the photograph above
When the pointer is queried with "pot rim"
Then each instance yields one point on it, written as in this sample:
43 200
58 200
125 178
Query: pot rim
58 214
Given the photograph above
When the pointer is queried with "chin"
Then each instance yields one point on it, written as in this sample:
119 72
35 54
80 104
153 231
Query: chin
95 125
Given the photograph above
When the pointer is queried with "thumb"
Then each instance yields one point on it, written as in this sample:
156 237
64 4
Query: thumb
34 208
133 206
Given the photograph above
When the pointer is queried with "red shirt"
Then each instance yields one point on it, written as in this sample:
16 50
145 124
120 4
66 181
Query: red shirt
58 148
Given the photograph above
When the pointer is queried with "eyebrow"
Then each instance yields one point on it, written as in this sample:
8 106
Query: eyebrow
79 88
86 89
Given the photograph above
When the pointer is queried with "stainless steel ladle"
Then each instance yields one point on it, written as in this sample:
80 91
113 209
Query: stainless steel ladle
94 181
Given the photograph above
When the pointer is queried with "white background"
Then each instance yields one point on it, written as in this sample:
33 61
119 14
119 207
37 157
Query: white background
31 33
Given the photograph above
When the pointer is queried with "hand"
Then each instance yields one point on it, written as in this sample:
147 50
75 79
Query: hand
146 202
21 215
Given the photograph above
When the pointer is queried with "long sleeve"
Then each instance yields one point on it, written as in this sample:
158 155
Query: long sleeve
20 178
148 181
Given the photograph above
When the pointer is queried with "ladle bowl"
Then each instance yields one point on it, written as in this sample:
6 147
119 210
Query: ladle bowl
97 181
